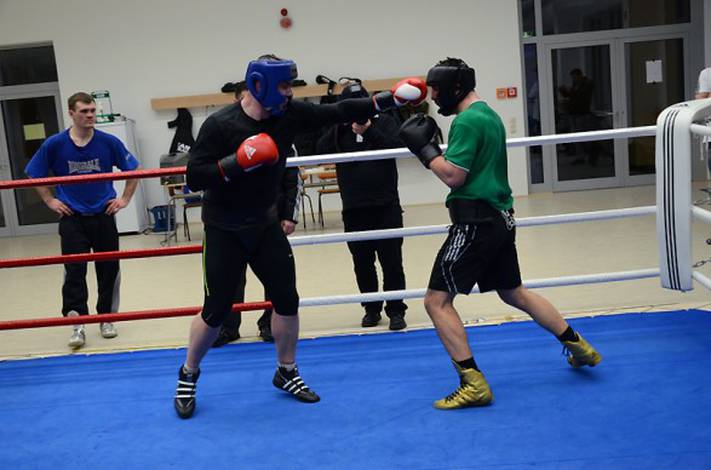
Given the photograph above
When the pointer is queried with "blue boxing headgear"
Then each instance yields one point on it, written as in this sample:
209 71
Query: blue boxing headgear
270 72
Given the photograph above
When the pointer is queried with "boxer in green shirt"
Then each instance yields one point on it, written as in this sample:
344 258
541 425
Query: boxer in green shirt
481 246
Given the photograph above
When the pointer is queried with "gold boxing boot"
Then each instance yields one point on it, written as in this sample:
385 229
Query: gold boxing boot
472 391
581 353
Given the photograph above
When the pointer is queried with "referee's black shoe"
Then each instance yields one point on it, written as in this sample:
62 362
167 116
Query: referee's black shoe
397 322
184 401
226 335
291 382
265 332
370 319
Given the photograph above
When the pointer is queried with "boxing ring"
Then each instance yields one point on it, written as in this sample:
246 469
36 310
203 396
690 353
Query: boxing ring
646 405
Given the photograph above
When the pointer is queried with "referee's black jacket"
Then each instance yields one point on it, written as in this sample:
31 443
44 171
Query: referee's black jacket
367 183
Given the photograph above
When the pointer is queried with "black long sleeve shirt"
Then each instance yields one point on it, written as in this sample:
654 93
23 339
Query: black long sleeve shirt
367 183
250 198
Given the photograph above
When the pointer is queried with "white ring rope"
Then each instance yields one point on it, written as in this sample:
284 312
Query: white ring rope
438 229
701 214
582 136
700 129
515 142
701 279
533 284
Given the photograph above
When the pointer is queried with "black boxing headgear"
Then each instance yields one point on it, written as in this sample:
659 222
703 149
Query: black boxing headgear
354 90
453 79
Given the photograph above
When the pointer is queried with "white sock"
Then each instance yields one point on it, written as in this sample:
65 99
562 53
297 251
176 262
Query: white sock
189 370
287 367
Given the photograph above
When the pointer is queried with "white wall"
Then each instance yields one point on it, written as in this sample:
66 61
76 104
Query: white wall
707 32
140 50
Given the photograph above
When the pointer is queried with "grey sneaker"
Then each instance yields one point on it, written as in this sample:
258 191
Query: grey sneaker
78 337
108 330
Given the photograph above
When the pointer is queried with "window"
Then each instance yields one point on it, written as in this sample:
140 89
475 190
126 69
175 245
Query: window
22 66
564 16
533 108
528 18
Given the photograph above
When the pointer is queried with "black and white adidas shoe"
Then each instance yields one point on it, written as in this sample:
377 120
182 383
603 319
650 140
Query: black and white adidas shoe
291 382
184 401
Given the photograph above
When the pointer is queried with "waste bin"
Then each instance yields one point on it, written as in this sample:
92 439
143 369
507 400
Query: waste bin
162 221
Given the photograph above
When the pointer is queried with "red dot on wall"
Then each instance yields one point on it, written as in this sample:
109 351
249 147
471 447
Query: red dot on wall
285 23
284 12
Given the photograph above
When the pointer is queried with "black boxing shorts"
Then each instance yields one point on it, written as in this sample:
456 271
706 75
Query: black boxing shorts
480 249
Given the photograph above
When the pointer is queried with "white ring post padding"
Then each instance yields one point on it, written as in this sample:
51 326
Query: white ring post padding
438 229
514 142
701 214
533 284
673 173
701 279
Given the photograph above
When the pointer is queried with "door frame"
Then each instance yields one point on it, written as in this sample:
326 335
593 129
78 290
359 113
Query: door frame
7 197
548 119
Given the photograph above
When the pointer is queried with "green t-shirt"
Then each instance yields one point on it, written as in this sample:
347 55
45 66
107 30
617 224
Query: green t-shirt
477 144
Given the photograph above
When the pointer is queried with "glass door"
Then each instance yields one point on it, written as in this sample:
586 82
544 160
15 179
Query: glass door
583 85
28 118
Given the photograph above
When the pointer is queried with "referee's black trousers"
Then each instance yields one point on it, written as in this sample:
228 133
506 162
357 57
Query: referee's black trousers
388 253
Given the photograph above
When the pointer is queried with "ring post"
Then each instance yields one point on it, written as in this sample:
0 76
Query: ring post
673 167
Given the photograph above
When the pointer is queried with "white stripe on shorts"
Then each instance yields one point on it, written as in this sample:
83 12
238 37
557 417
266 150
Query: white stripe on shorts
455 250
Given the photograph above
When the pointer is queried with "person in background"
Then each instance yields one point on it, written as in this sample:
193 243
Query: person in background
87 211
370 199
703 90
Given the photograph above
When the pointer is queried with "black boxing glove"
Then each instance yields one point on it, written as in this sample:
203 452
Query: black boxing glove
419 133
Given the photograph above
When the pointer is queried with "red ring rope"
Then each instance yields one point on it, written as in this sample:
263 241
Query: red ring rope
75 179
126 316
104 256
100 256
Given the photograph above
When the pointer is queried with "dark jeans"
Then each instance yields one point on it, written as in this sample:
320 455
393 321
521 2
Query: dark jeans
83 234
388 252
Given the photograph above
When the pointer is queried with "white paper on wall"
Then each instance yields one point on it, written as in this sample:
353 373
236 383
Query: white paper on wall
654 71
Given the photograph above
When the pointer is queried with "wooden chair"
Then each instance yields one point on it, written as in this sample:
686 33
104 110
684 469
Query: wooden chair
190 200
188 205
330 186
304 196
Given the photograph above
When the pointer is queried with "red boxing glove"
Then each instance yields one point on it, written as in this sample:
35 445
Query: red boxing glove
254 152
409 90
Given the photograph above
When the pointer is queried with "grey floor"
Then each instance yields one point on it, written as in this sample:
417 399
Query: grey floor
551 251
